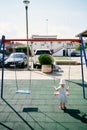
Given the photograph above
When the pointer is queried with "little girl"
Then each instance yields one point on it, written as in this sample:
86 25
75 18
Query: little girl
62 93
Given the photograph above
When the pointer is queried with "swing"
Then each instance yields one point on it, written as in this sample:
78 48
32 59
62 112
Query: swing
17 87
23 91
56 92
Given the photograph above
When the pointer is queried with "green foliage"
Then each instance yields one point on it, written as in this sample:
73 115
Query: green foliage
21 47
61 58
45 59
77 47
85 45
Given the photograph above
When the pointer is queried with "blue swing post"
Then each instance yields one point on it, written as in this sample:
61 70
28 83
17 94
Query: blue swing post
82 49
2 45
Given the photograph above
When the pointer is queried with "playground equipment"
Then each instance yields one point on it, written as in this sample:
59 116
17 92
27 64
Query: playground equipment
79 41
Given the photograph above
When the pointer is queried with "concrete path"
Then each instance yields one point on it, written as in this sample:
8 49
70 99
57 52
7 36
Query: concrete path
65 70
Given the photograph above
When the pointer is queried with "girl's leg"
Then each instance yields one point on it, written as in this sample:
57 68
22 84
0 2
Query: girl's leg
61 105
64 105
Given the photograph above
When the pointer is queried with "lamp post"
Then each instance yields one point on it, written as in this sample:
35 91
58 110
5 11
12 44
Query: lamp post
26 2
47 26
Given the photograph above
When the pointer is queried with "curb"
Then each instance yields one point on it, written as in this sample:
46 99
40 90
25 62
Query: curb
67 62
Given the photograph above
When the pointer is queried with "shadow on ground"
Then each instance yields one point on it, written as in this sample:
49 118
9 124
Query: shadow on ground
77 114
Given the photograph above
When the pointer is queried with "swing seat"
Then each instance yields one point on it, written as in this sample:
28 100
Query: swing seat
23 91
57 93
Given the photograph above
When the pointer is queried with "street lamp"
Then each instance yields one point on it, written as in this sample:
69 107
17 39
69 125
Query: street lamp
47 26
26 2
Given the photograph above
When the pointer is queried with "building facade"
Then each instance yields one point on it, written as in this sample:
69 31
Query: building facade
57 48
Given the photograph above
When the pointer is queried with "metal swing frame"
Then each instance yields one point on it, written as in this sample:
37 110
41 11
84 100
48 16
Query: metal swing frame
79 41
82 49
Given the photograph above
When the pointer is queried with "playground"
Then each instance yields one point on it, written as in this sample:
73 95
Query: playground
29 103
39 110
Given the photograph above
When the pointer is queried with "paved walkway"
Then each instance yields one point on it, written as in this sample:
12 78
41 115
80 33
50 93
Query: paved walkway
75 73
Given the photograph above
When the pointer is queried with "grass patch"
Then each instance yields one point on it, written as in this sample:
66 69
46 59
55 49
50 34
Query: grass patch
61 58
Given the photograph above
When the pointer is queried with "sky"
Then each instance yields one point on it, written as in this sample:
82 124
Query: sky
64 18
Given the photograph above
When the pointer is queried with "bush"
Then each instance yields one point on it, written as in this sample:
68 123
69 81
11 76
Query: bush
45 59
77 47
85 45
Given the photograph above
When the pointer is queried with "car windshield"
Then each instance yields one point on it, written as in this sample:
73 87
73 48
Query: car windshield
16 56
42 52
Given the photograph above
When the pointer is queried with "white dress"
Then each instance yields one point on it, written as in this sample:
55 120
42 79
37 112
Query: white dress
62 94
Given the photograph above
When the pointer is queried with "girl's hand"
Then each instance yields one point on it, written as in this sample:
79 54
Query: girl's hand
68 88
54 87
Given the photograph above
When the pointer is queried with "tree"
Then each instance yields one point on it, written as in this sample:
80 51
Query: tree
85 45
22 49
78 46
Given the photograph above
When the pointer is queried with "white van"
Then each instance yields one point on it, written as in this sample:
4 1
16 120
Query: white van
37 53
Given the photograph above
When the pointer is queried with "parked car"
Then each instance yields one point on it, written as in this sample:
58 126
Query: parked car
16 59
75 54
1 59
37 53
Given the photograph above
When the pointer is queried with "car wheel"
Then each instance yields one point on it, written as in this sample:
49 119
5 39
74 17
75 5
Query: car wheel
34 65
22 66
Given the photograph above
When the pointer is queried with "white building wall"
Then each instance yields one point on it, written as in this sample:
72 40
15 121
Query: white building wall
45 45
58 53
57 47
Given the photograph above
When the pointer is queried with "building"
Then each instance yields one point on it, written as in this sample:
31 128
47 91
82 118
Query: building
45 45
65 49
58 48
